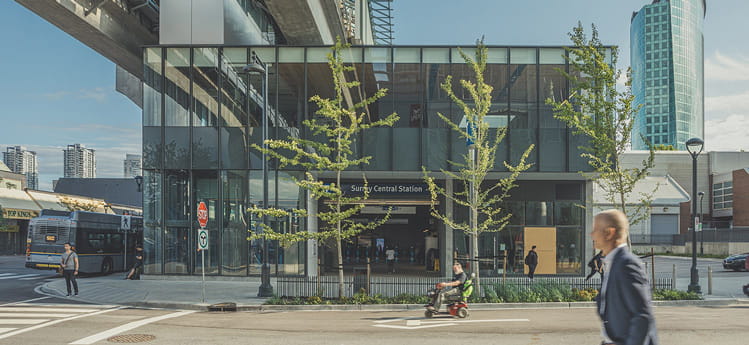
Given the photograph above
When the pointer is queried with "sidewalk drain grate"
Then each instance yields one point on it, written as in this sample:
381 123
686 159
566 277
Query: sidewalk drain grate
131 338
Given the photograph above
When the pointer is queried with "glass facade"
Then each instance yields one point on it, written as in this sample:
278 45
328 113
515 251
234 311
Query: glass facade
667 61
201 114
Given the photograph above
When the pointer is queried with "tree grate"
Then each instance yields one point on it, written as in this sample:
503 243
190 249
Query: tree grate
131 338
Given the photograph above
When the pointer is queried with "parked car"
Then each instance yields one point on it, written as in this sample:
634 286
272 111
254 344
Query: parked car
735 262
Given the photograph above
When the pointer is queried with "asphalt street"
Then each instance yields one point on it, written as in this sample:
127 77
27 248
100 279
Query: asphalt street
27 317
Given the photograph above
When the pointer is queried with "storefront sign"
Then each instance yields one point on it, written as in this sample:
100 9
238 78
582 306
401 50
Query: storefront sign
9 228
386 188
13 213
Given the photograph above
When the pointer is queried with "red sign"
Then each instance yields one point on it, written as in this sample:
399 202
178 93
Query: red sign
202 215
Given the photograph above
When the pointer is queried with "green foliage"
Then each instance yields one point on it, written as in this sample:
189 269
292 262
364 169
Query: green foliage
483 199
339 120
540 292
359 298
674 295
596 110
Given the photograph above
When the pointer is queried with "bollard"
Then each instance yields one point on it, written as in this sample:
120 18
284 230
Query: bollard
709 280
673 278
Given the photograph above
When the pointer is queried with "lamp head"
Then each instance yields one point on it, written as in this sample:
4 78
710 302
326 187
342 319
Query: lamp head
695 146
254 68
139 182
701 194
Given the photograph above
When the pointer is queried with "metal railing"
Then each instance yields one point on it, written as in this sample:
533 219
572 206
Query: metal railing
327 286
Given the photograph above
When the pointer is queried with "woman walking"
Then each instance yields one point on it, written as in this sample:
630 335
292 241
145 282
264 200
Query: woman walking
69 264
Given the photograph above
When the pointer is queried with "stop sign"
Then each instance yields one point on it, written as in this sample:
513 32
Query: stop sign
202 215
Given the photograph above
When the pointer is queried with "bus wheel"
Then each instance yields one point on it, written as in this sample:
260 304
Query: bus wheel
106 266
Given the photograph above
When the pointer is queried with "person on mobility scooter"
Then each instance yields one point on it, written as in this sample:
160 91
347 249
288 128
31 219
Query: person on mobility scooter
456 292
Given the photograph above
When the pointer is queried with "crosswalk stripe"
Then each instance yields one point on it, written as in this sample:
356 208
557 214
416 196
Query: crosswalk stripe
63 305
22 321
29 329
21 276
3 330
31 278
48 310
32 315
5 274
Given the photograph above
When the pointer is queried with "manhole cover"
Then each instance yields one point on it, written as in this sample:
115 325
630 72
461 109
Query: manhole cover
131 338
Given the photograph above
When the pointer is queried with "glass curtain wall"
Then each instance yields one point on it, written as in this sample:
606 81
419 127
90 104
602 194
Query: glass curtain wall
202 113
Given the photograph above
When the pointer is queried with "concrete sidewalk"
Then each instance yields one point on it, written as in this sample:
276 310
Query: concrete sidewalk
187 294
172 294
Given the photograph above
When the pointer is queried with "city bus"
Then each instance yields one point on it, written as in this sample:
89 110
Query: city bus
105 243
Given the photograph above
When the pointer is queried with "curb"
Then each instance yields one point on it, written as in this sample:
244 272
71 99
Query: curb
45 289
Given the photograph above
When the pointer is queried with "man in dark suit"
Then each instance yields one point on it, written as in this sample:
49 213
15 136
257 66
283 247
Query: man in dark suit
624 301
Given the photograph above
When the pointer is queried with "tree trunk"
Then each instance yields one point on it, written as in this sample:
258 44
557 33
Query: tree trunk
338 242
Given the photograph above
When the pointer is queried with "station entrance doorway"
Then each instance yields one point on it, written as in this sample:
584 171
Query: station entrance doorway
407 243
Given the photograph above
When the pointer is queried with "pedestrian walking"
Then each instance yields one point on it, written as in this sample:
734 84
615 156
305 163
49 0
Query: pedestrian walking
390 258
137 265
532 261
69 264
596 265
624 304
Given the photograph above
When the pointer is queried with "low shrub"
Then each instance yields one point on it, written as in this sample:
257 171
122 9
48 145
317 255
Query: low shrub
674 295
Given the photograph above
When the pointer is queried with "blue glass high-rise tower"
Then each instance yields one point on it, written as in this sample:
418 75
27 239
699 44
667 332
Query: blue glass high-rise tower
667 51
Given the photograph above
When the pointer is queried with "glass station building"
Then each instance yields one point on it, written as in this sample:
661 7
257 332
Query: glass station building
201 114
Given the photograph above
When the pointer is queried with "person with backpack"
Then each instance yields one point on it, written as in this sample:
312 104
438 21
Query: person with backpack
532 261
69 265
596 265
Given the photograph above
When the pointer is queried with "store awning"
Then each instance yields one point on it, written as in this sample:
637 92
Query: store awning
16 204
64 202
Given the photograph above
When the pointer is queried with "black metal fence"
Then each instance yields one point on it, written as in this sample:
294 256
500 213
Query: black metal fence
327 286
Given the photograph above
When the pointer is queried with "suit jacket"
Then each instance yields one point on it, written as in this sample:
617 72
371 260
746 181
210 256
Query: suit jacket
627 313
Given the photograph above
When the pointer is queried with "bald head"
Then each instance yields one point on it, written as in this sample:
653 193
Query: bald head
616 220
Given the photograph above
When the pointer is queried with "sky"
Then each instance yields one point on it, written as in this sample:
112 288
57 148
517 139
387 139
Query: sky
56 91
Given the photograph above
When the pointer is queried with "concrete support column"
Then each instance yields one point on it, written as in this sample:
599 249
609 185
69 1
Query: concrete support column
312 245
588 247
446 234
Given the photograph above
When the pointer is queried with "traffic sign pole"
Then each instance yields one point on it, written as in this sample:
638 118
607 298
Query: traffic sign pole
202 239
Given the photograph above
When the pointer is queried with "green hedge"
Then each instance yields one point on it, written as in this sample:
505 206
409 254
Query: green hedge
497 293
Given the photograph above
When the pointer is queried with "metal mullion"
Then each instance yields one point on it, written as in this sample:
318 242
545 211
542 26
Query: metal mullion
566 126
190 178
508 133
162 160
538 109
248 166
220 201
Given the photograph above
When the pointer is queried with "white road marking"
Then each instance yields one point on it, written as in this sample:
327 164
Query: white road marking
32 315
24 330
396 319
22 321
466 321
5 274
47 310
126 327
3 330
32 278
66 305
416 327
22 302
15 277
420 323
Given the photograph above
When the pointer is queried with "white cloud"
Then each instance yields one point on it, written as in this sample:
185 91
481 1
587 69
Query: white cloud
726 68
98 94
735 103
727 134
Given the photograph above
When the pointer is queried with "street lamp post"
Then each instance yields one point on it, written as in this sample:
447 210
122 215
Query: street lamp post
702 231
258 67
694 146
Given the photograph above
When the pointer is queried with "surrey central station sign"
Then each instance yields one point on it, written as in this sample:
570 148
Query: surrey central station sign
386 188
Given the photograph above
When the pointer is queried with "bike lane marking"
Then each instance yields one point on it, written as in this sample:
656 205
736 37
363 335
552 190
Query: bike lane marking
126 327
420 323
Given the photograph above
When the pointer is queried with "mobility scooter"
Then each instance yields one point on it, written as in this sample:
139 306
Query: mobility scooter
456 305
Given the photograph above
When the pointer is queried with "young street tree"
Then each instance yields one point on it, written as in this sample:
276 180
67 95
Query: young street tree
338 123
482 198
596 110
